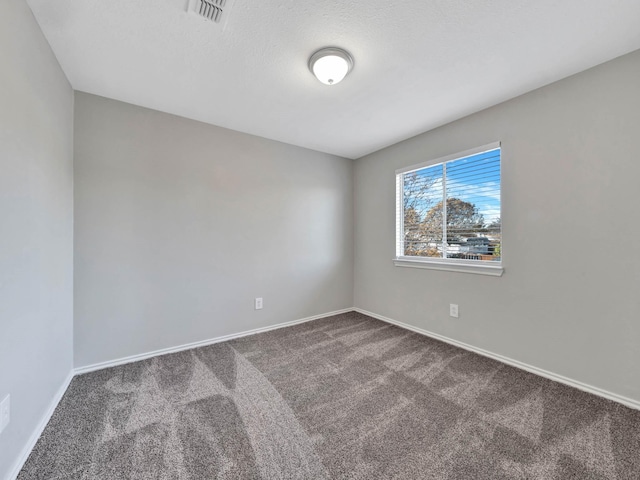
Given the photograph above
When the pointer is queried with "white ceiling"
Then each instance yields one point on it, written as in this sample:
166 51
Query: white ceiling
418 63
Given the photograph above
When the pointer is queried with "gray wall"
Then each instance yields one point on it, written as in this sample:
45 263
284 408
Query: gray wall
36 226
179 225
568 301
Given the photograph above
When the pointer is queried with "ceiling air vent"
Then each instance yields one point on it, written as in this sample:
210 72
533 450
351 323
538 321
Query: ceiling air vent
215 11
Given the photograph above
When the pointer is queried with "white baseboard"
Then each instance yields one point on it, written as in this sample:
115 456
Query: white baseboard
202 343
26 451
514 363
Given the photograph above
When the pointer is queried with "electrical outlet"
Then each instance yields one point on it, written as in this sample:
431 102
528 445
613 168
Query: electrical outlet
259 303
5 412
453 310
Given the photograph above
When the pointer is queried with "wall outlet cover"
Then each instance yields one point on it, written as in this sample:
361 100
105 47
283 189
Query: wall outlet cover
453 310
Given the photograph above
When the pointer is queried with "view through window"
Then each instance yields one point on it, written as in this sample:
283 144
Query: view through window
451 209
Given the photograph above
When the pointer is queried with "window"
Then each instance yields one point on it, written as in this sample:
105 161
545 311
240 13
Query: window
448 213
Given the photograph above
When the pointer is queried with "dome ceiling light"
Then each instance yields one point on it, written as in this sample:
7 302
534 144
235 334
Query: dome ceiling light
330 65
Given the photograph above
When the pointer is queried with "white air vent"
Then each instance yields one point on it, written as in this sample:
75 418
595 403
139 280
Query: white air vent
215 11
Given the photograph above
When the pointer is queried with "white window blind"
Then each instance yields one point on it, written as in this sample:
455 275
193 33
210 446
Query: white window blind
450 209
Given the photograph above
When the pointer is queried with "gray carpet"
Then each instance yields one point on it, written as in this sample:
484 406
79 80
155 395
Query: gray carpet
347 397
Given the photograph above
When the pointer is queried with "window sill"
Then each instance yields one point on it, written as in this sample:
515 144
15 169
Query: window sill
450 266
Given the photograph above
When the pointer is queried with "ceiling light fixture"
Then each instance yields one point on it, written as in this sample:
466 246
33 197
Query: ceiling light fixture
330 65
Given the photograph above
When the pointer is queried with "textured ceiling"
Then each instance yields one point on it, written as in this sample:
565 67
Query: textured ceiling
418 63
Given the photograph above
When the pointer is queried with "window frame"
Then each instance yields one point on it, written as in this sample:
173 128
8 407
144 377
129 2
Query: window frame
482 267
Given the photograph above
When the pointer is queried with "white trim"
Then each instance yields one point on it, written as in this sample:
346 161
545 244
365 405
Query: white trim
202 343
450 265
446 158
26 451
399 217
629 402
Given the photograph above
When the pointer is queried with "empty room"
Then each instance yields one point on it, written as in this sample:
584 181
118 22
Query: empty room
285 239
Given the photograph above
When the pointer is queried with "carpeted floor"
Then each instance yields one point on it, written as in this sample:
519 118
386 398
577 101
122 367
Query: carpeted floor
347 397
